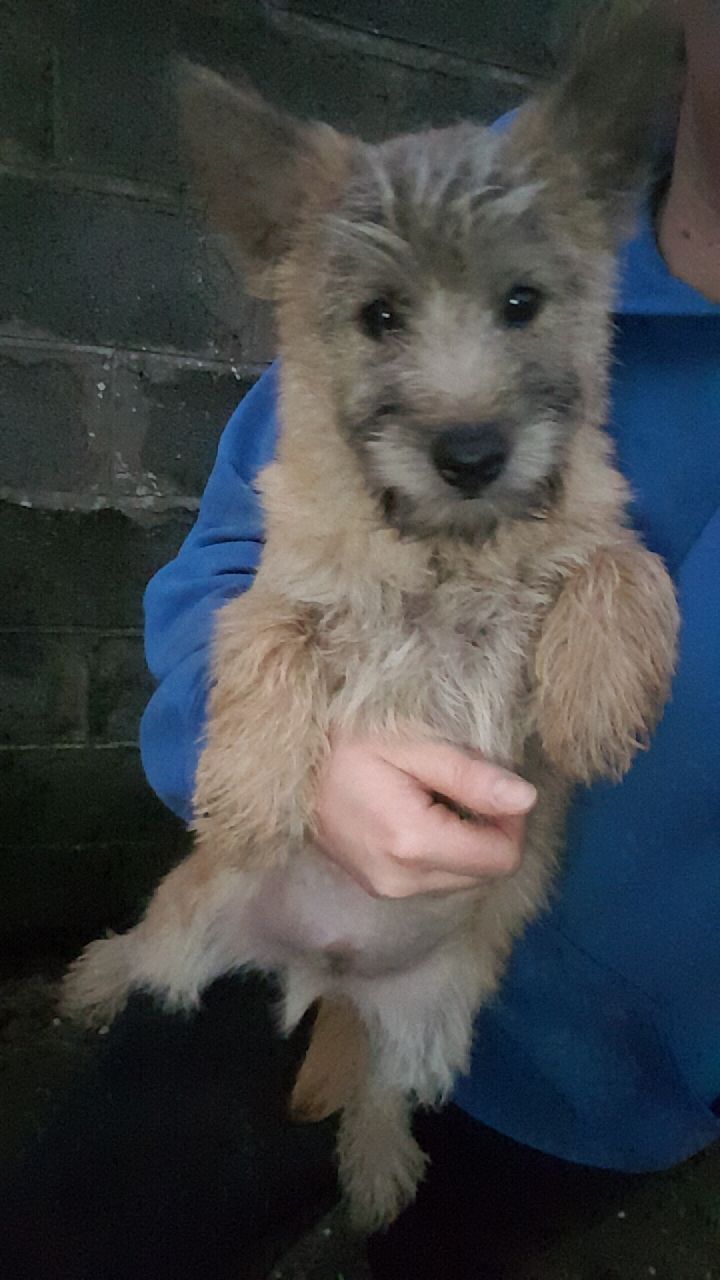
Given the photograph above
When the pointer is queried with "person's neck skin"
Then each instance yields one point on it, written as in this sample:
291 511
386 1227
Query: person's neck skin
689 221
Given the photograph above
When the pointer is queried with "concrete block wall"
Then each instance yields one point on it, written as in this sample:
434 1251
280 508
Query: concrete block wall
124 347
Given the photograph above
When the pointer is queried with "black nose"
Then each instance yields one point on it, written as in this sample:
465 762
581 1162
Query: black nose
470 457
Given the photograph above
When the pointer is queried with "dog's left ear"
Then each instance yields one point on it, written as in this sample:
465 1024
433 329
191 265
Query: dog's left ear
256 170
613 110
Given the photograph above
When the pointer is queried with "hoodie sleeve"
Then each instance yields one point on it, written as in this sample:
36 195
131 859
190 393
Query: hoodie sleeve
216 562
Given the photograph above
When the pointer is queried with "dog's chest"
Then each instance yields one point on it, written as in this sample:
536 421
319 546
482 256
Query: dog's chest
452 659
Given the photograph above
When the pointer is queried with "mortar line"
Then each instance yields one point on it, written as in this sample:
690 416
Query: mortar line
121 744
251 368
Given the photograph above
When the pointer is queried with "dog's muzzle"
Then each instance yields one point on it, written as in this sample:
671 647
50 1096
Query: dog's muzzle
469 457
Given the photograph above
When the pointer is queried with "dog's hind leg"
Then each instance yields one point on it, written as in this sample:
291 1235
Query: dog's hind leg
419 1027
420 1019
380 1163
182 943
335 1063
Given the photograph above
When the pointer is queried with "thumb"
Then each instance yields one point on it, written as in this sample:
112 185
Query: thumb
475 784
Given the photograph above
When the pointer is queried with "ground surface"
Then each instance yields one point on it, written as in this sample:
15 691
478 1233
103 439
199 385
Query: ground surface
669 1229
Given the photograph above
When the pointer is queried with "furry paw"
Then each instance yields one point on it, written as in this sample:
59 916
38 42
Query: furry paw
96 987
605 661
379 1193
381 1165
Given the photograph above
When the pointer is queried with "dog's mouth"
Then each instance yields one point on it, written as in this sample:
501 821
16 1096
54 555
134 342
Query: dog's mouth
467 517
389 502
450 479
461 480
399 514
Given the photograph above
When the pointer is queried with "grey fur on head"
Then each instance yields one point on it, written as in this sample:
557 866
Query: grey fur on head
455 236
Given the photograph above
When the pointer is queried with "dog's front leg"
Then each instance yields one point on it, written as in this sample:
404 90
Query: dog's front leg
604 661
267 731
266 736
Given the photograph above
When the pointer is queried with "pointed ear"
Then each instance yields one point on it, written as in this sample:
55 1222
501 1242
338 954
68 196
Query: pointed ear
613 110
256 170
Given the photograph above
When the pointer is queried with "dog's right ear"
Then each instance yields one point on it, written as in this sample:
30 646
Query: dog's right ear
255 169
613 111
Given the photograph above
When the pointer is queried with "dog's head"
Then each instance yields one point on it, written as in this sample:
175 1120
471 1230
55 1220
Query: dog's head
450 289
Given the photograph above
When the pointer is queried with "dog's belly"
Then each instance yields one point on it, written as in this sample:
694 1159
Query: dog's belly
312 910
446 673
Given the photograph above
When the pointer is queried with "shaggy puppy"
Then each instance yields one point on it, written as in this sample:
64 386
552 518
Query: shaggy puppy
447 557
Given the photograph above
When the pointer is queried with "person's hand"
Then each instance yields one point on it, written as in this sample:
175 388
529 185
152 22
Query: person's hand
378 816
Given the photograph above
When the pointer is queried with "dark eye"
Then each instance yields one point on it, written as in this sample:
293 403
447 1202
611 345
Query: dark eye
521 305
379 318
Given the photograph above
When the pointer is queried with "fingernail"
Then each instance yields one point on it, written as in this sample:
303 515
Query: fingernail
514 793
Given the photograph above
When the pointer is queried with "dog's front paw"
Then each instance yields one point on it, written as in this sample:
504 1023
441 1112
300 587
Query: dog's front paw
605 661
96 987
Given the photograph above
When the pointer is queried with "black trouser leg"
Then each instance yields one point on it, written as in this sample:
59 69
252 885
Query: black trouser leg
173 1158
487 1203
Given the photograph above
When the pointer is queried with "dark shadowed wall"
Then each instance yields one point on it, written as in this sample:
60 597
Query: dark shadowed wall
124 347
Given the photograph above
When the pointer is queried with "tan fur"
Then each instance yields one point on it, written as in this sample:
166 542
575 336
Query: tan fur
335 1064
265 655
601 683
528 624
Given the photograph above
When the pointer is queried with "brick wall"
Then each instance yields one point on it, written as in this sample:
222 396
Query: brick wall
124 348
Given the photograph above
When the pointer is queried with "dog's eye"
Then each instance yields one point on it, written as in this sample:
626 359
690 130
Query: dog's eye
379 318
521 305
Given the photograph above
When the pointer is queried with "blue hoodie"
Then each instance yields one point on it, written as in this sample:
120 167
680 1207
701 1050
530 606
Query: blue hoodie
604 1044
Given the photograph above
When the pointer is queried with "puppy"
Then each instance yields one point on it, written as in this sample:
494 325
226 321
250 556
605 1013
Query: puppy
447 558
